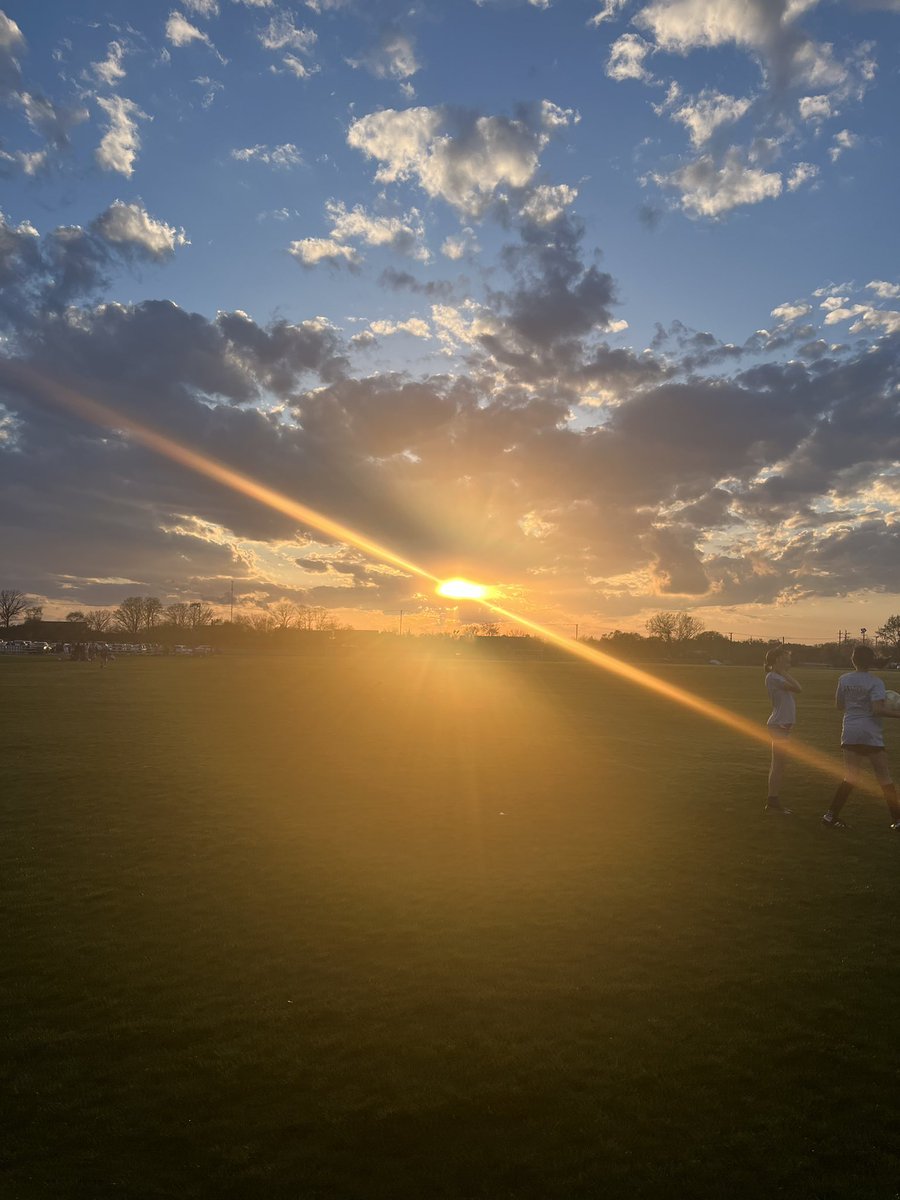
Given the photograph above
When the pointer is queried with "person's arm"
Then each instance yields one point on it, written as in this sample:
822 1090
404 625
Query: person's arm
791 684
879 710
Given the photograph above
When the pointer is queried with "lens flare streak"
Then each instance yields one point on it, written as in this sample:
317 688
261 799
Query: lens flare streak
49 390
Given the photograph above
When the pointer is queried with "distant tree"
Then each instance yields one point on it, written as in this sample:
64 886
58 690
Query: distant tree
488 629
662 627
76 618
285 615
98 620
890 633
673 629
153 611
687 628
34 614
12 602
200 614
129 616
178 614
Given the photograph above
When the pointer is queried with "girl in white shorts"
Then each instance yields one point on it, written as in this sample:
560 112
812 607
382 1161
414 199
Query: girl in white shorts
781 687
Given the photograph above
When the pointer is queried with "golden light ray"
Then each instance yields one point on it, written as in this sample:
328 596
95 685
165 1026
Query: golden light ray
670 691
107 417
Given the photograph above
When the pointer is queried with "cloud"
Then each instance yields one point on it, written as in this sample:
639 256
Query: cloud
460 156
709 112
130 225
120 144
43 275
392 57
801 173
403 234
202 8
414 326
845 140
546 203
180 32
282 34
709 187
626 59
284 157
310 252
460 245
110 71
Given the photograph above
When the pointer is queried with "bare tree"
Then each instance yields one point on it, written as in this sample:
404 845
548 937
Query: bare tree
99 620
153 611
178 615
200 614
129 616
76 618
662 626
34 614
284 614
673 629
12 602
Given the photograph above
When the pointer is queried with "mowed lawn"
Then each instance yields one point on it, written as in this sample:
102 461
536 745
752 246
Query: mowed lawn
368 927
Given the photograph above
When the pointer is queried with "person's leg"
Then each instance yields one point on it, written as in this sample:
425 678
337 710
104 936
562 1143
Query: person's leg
882 769
776 774
845 787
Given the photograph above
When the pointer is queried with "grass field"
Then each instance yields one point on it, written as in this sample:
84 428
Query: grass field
431 927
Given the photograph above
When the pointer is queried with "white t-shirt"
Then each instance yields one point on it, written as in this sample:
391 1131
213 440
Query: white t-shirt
855 692
784 707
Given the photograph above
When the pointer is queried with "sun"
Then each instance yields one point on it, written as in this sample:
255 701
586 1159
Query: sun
462 589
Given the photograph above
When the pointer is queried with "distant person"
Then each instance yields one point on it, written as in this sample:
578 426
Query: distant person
860 696
781 687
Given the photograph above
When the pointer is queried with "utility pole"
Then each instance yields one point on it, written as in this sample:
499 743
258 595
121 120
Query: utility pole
576 633
231 614
401 621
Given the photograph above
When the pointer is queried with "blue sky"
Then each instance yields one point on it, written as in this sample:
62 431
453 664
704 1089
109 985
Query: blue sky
597 301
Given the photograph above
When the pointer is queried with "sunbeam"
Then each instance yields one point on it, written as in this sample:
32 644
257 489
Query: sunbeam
29 380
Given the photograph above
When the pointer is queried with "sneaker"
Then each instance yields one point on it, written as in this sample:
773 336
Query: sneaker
834 822
777 808
896 826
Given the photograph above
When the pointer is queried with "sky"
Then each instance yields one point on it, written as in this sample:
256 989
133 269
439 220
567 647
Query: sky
592 301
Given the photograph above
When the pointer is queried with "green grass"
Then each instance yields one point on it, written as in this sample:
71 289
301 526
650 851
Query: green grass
428 927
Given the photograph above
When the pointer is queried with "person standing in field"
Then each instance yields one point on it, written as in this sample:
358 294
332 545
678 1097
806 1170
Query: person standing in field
781 687
860 696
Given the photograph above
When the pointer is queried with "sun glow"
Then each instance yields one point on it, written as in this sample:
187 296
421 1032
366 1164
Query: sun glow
42 388
462 589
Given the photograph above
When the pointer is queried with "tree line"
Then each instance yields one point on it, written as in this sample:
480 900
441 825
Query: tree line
145 615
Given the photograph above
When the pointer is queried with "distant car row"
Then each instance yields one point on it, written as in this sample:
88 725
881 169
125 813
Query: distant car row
67 649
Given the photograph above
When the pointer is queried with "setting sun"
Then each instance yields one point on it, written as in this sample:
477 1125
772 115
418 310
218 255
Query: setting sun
462 589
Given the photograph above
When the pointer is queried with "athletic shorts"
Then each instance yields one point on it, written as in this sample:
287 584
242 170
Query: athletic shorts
861 749
779 732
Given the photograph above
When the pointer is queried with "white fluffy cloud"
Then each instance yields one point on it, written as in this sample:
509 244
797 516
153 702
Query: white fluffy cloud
709 112
546 202
404 234
202 8
110 71
120 144
310 252
626 58
462 158
415 326
710 187
180 32
130 224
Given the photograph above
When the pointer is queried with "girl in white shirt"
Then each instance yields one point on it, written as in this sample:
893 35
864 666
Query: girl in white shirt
781 686
860 695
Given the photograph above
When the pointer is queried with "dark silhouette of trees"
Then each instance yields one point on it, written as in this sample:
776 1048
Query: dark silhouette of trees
12 602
